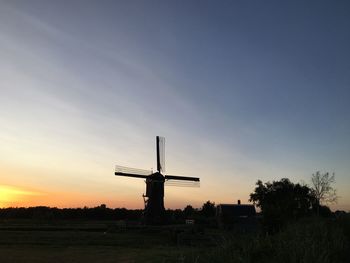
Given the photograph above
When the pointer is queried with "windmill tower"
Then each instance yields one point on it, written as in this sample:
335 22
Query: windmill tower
154 198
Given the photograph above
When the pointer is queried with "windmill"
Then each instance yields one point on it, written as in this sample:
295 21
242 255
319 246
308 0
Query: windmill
154 212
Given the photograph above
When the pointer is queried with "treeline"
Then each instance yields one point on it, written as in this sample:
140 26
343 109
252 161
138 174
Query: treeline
102 212
96 213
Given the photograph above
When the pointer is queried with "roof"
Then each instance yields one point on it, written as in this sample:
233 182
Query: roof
236 210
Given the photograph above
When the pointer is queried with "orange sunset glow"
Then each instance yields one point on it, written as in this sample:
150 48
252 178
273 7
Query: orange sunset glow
12 196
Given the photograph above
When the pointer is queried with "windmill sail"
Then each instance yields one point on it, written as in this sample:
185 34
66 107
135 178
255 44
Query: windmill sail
160 154
131 172
182 178
181 183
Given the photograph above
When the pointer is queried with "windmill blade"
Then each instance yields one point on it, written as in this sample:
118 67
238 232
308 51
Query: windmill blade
180 183
131 175
124 169
160 144
131 172
181 178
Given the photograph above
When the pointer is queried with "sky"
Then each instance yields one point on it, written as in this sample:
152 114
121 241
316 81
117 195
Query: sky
241 91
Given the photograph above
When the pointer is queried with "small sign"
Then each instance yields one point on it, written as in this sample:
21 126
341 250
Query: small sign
189 221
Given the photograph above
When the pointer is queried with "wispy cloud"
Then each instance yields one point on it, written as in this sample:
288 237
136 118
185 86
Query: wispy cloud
84 91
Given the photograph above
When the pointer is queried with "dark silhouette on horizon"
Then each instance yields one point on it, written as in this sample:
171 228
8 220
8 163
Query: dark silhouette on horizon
282 202
154 212
285 229
240 216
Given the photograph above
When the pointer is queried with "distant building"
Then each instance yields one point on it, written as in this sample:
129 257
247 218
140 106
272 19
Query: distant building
238 215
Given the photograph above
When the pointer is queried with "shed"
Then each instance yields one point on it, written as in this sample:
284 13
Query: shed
236 214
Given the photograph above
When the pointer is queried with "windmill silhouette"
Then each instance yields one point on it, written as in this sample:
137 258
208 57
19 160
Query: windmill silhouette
154 212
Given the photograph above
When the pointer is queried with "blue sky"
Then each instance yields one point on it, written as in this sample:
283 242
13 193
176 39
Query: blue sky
242 90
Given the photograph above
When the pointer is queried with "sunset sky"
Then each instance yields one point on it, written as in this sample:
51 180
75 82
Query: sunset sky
241 90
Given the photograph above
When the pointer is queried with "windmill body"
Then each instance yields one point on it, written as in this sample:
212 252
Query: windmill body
154 212
154 208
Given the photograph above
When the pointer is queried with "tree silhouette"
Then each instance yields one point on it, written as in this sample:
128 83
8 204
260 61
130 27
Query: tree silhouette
323 190
208 209
281 201
189 211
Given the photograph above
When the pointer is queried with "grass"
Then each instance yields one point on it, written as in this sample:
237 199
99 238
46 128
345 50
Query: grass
29 241
312 240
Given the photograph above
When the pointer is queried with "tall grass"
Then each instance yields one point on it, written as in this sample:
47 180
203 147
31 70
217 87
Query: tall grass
310 240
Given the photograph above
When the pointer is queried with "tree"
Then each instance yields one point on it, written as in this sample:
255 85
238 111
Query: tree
188 211
208 209
281 201
323 190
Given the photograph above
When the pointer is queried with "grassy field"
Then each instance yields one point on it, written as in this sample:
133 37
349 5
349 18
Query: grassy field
27 241
311 240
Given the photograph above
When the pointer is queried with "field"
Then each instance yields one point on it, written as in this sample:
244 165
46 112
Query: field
77 241
311 240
